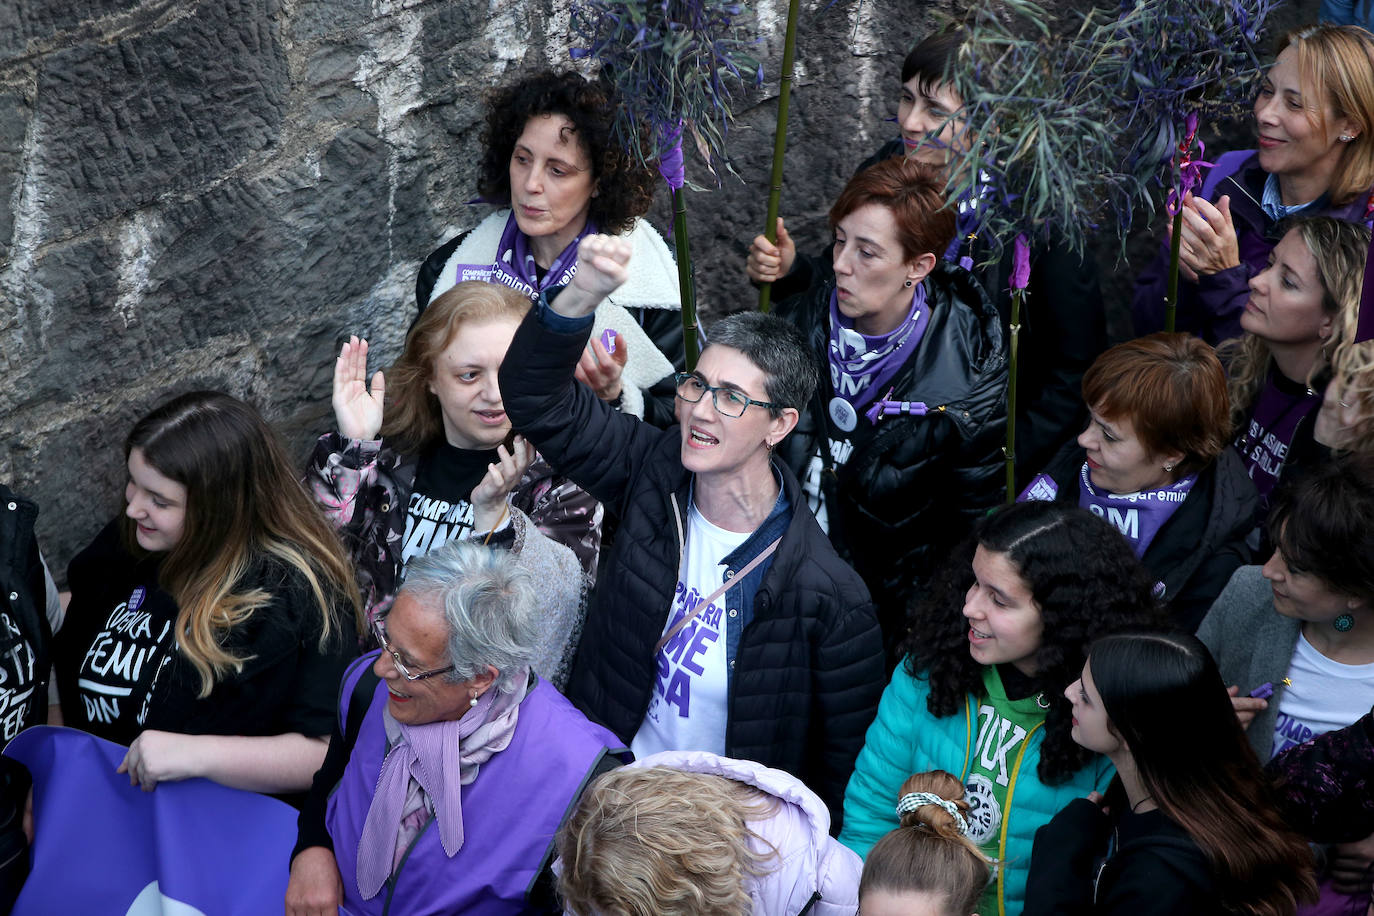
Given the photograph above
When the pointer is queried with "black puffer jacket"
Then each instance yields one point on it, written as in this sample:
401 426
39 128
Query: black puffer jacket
808 673
1201 544
23 598
916 487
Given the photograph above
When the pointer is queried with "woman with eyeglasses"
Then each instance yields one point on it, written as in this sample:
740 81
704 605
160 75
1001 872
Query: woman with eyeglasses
722 621
452 763
900 451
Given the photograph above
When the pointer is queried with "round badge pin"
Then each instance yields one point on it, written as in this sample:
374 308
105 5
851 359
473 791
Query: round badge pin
843 414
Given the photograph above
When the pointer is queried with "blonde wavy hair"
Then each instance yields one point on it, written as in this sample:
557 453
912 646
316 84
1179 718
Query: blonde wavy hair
1352 371
413 419
242 502
1338 61
928 853
1340 249
656 841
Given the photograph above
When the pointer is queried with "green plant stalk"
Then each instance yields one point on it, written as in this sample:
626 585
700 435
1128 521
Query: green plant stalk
770 228
1009 451
1171 300
686 285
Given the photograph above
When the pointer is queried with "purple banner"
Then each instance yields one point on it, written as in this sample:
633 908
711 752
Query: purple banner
102 846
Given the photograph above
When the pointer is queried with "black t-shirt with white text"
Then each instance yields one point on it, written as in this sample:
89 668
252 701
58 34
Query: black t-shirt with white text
119 671
438 510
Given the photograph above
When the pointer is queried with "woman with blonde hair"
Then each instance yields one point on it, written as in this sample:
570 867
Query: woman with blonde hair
1314 114
681 833
927 866
1345 422
209 626
1301 308
439 463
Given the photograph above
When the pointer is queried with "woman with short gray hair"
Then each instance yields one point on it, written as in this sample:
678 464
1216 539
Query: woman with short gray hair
446 726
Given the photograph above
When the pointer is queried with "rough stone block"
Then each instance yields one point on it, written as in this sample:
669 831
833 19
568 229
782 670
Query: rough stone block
158 113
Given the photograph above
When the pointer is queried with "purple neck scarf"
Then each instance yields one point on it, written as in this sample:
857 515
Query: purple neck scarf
1138 516
515 265
441 757
860 365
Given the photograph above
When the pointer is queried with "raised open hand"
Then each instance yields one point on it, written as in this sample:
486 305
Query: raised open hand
489 496
357 411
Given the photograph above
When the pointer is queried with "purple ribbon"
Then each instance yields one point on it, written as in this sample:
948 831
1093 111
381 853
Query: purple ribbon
886 408
670 163
1189 169
1020 263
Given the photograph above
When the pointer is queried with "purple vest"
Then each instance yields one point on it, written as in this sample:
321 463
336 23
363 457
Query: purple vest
510 813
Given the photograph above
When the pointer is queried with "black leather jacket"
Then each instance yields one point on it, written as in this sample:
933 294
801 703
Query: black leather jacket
916 487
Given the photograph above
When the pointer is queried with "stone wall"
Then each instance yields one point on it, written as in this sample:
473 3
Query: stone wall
213 193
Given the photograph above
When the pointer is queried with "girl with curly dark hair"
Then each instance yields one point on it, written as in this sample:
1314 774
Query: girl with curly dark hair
981 691
551 162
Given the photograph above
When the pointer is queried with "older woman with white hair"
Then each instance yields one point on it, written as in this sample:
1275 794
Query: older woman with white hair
451 765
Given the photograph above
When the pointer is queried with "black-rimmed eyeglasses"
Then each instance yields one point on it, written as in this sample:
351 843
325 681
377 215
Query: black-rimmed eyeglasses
730 402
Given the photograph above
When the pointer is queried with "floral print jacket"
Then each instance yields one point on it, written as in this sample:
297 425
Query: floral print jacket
363 486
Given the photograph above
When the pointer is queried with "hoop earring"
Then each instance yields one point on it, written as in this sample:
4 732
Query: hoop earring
1168 467
1344 623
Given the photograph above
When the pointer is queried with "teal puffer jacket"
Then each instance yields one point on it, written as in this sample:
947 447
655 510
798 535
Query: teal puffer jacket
905 738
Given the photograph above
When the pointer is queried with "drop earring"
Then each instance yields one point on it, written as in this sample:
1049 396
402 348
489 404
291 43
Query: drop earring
472 702
1344 623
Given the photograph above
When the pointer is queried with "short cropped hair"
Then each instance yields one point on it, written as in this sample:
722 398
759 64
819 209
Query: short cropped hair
1172 389
914 193
1320 522
488 603
778 349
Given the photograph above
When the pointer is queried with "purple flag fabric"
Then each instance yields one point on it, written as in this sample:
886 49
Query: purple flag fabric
102 846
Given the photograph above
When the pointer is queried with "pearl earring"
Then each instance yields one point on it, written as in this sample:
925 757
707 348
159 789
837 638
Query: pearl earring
472 702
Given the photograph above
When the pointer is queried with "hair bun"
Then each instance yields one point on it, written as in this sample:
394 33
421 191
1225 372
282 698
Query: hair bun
935 801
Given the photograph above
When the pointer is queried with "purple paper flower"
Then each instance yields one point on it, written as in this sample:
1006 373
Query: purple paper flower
670 164
1020 263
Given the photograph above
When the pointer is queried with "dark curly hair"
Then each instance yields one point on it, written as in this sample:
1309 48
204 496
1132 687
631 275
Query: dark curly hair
626 188
1086 583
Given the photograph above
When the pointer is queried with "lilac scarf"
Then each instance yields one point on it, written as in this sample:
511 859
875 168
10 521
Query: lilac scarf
860 365
1138 516
515 265
439 757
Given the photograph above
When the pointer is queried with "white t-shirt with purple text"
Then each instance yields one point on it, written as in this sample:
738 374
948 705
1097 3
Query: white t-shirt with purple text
691 682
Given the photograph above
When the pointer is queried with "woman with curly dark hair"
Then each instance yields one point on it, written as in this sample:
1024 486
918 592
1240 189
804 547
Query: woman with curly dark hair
981 693
551 163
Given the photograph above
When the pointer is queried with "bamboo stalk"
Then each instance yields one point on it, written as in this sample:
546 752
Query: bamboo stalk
686 283
789 48
1171 300
1009 451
